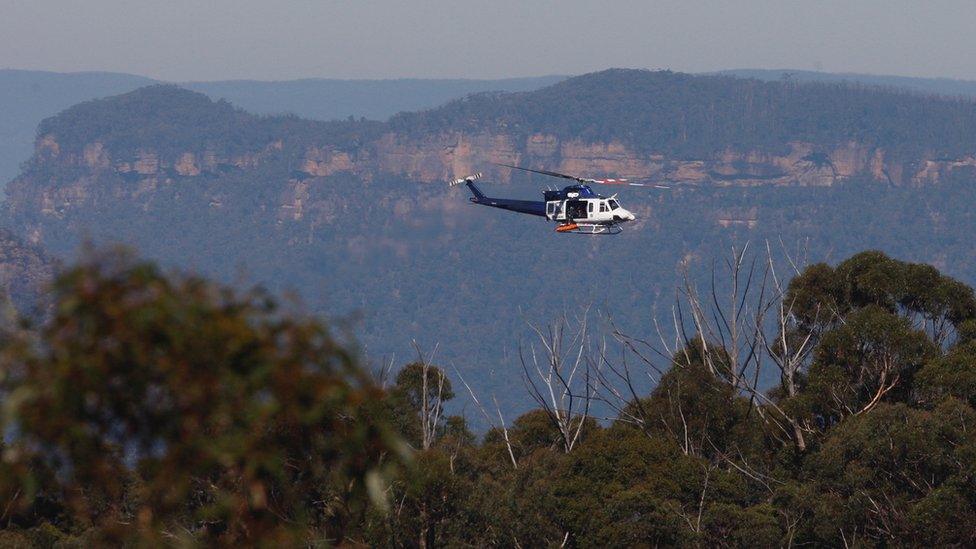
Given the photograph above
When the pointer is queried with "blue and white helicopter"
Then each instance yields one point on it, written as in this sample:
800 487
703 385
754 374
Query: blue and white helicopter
575 209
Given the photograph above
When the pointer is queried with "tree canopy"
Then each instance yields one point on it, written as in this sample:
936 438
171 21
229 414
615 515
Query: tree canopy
156 408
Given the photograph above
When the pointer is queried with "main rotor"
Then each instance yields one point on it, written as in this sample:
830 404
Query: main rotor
585 180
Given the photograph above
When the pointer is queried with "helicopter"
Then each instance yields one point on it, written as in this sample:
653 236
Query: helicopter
575 209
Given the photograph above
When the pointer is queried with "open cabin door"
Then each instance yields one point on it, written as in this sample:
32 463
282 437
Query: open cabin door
577 209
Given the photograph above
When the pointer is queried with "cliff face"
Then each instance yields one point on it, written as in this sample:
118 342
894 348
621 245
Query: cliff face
446 156
60 180
659 127
805 164
94 170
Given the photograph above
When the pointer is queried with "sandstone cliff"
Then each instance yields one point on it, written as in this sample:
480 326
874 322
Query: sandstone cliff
97 170
449 155
659 127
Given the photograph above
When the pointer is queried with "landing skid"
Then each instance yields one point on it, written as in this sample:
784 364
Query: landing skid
588 228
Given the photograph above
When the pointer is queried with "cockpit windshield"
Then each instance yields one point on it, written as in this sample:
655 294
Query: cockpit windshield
613 205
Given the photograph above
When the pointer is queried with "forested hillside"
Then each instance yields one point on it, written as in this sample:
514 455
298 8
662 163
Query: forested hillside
923 86
692 116
353 216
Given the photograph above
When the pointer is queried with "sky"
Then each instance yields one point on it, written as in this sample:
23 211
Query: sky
181 40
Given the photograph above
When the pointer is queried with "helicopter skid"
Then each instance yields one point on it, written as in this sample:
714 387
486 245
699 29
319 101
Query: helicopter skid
588 228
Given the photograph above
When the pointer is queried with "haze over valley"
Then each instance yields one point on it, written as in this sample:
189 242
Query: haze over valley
355 217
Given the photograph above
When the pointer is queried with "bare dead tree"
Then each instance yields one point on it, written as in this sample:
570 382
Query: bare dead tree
431 396
693 516
619 390
617 386
755 326
484 412
790 348
433 382
558 374
727 329
385 373
742 322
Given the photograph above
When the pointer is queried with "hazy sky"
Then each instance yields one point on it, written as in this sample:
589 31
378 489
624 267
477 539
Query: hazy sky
220 39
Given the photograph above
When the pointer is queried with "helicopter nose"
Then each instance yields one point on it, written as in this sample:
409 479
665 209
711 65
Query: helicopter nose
621 215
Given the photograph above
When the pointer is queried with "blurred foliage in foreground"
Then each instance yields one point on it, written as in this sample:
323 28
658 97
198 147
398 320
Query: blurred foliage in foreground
153 409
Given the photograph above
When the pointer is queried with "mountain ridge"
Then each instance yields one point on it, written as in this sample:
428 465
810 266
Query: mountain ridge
920 84
30 96
582 125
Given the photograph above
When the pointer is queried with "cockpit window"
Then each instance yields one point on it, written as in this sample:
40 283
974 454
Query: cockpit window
614 205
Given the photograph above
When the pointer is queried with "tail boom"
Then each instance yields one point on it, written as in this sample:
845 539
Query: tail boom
530 207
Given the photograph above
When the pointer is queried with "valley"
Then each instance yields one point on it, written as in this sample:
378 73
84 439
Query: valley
354 217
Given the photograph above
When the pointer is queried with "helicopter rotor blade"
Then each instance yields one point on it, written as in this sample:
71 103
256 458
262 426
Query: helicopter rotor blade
609 181
545 172
628 183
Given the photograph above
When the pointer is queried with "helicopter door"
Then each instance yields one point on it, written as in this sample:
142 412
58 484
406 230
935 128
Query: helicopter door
576 209
553 210
589 208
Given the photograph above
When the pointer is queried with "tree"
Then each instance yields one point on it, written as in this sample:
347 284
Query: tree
427 496
745 319
857 364
424 388
560 381
700 413
884 475
164 409
951 375
173 409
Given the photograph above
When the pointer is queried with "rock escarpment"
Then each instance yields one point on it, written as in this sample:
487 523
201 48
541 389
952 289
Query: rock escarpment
93 170
804 164
662 127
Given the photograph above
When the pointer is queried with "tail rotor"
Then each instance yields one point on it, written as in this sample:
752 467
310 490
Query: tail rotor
465 179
